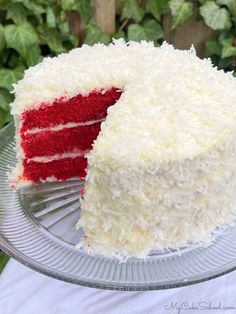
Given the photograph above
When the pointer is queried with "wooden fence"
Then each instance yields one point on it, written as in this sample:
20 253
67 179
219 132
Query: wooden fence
193 32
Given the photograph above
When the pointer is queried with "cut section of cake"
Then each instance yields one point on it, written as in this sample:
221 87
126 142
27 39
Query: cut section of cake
54 137
61 103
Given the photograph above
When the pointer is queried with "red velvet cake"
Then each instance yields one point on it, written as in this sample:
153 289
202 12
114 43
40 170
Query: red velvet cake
55 137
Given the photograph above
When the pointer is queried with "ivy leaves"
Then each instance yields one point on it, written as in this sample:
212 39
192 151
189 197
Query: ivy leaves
181 11
227 47
9 77
214 16
21 38
144 21
230 4
221 15
132 10
5 100
212 47
157 8
148 30
94 35
17 13
84 7
20 46
2 38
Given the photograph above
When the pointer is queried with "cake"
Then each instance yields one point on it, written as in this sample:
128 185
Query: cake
153 131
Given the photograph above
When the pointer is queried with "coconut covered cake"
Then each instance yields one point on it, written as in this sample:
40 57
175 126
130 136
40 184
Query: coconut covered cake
152 131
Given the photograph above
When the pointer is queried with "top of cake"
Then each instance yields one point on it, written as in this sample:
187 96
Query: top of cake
180 107
82 70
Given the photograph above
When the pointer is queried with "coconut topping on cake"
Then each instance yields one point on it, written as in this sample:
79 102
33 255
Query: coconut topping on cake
153 131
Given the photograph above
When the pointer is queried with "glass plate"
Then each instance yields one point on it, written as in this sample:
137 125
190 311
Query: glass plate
37 227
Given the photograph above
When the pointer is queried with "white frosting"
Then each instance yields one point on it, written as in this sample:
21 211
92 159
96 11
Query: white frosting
162 171
73 154
60 127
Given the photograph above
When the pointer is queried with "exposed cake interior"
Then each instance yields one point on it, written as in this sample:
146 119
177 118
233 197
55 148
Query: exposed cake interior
54 138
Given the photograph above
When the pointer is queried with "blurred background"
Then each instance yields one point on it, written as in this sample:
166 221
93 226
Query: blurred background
31 30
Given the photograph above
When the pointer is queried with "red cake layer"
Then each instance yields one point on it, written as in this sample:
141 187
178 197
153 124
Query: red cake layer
77 109
61 169
49 143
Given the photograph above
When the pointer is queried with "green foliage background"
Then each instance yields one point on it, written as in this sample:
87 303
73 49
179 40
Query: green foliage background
31 30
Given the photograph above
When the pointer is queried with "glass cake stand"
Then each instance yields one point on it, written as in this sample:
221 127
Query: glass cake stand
37 228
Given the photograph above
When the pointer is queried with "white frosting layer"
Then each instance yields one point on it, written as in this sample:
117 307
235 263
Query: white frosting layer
60 127
74 154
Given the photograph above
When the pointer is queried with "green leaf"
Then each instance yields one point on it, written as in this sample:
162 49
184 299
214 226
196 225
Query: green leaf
223 63
95 35
3 260
9 77
21 38
5 99
212 47
153 30
214 16
230 4
136 32
50 17
2 38
63 17
3 3
32 56
3 114
228 49
17 13
156 8
132 10
14 60
181 12
67 5
4 57
8 117
83 6
72 40
119 34
228 52
150 31
64 28
32 6
85 9
54 40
